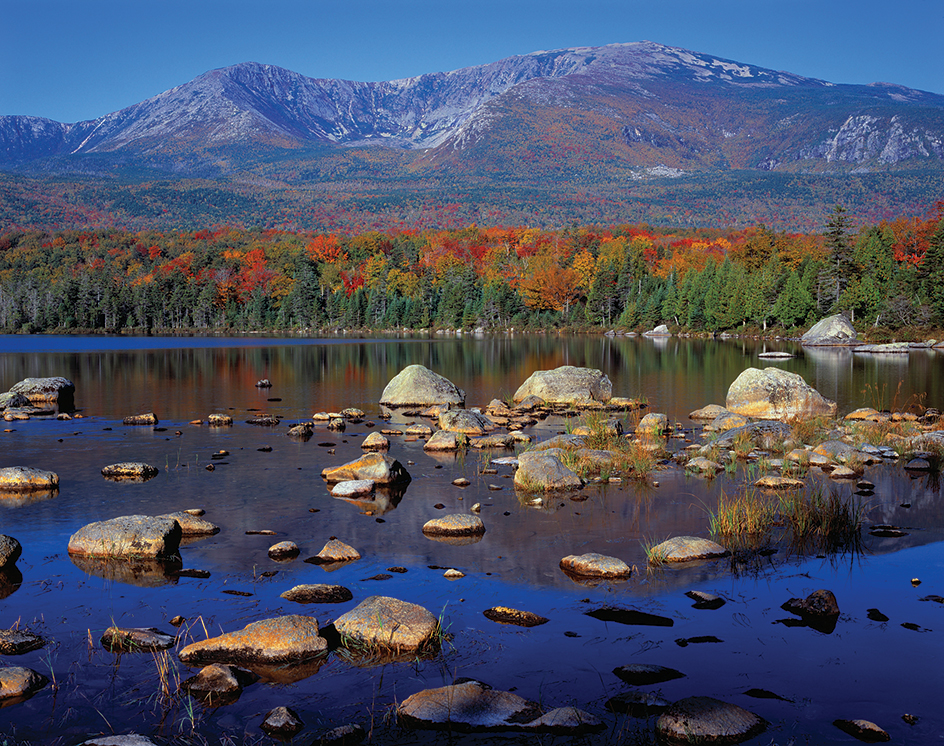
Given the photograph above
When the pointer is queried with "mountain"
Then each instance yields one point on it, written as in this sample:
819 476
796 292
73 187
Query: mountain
581 118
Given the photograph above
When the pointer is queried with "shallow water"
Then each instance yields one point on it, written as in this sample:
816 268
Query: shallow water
863 669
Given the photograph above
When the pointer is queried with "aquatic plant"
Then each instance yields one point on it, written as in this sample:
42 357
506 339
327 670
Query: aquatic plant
810 430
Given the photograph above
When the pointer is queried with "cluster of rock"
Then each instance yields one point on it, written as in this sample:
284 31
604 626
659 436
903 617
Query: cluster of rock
38 397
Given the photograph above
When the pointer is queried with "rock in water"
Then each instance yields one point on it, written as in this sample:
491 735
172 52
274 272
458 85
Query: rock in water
643 674
833 330
16 681
505 615
136 640
465 421
334 551
54 389
470 706
318 593
567 385
864 730
458 524
704 720
686 549
146 419
774 394
285 639
377 467
417 385
541 471
129 471
819 610
10 551
27 479
593 565
19 641
133 536
389 625
282 722
219 683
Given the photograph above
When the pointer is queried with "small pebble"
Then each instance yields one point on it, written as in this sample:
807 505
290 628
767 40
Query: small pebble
916 582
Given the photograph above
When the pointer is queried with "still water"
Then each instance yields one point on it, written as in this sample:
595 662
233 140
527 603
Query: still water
864 669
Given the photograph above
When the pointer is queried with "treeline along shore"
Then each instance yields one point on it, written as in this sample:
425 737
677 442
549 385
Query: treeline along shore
888 278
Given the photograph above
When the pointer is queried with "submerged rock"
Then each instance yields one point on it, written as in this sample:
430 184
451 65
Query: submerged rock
19 641
505 615
282 722
344 735
129 739
567 385
864 730
27 479
137 536
285 639
470 706
136 640
775 394
386 624
417 385
637 704
704 720
318 593
353 488
686 549
643 674
130 471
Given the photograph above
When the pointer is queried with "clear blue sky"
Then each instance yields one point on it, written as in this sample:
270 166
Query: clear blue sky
71 60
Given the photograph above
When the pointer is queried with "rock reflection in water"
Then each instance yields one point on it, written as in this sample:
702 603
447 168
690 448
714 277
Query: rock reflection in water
384 499
144 573
10 580
20 499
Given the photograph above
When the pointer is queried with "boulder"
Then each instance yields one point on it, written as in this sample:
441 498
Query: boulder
660 331
542 471
146 419
686 549
54 389
131 536
27 479
13 401
458 524
219 683
471 706
377 467
653 423
838 452
19 641
129 471
318 593
16 682
282 723
375 442
284 550
833 330
417 385
286 639
136 640
774 394
334 551
10 551
465 421
704 720
726 421
383 624
593 565
567 385
445 441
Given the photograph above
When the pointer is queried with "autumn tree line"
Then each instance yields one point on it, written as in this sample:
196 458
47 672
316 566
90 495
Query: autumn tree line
885 276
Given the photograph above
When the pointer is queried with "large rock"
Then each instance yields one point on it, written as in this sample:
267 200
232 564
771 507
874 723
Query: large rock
686 549
27 479
287 639
417 385
445 441
16 681
774 394
137 536
384 624
10 550
11 400
54 389
192 525
766 434
377 467
833 330
542 471
567 385
465 421
703 720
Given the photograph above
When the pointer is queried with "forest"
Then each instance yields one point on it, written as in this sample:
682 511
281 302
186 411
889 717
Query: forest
888 277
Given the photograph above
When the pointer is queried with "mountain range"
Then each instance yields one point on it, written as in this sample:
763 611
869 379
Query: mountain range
604 120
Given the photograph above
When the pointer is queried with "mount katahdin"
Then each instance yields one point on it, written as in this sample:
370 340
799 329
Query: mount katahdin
586 118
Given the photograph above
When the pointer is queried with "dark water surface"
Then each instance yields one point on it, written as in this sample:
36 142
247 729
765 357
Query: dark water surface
864 669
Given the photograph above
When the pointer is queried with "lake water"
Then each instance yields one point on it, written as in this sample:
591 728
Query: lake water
864 669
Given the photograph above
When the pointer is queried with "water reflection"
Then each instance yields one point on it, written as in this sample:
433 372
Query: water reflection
141 572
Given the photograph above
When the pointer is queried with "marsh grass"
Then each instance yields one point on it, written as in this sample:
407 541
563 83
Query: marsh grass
811 430
816 522
883 432
879 398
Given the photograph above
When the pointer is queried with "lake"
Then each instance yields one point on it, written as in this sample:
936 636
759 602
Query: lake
865 669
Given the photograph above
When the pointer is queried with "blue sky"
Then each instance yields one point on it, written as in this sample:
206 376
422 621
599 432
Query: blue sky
70 60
